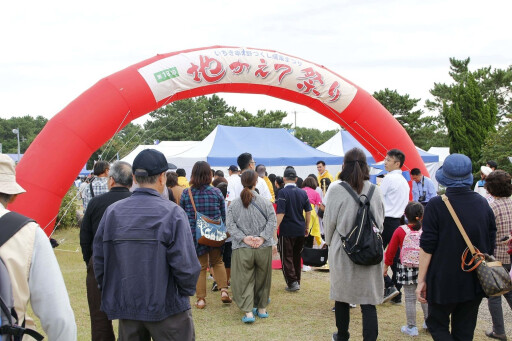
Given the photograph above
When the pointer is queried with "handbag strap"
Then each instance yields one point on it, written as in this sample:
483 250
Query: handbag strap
459 224
259 209
353 193
192 201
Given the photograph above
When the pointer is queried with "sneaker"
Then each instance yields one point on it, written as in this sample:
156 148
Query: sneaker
333 309
306 268
334 336
215 287
390 293
397 299
411 331
352 305
493 335
293 287
425 328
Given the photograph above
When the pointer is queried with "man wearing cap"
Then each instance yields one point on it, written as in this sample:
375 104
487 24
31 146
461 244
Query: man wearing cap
120 180
233 170
479 186
144 259
453 295
33 269
291 202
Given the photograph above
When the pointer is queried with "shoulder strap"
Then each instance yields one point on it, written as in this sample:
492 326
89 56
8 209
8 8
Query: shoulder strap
354 194
192 201
459 224
90 187
259 209
10 223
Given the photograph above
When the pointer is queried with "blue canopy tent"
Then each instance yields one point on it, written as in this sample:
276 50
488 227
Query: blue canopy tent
273 147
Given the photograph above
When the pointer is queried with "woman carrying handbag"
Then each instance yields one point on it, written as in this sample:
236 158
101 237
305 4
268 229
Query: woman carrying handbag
453 295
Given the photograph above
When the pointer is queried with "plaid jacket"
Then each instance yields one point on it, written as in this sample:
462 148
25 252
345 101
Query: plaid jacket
502 208
99 186
210 202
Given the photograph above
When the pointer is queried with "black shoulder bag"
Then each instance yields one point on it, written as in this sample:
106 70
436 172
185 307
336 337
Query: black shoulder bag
363 244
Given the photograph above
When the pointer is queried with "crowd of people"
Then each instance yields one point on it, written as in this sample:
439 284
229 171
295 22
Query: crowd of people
143 245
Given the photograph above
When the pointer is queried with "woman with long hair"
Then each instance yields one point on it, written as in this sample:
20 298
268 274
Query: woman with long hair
350 282
210 202
251 222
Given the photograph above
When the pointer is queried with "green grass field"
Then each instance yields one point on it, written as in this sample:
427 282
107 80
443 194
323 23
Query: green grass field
305 315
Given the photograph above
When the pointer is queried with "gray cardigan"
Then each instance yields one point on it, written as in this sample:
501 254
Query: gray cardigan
351 283
242 222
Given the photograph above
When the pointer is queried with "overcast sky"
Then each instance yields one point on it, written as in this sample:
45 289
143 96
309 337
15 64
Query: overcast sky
53 51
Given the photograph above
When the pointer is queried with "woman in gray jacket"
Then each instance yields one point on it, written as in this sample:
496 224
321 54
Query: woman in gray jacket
352 283
251 222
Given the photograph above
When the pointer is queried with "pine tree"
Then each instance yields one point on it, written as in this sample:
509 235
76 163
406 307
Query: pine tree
469 119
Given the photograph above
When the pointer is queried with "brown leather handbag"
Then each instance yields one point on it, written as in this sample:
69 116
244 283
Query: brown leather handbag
493 277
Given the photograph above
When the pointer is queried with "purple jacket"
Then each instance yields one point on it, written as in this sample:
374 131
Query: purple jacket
144 258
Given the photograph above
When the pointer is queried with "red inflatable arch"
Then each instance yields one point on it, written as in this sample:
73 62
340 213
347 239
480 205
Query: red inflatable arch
59 152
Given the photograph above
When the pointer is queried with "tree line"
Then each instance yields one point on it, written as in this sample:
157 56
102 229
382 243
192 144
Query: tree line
471 115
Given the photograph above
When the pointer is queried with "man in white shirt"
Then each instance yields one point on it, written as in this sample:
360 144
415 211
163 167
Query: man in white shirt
245 162
395 193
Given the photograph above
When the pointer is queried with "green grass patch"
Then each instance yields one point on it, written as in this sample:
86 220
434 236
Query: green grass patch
304 315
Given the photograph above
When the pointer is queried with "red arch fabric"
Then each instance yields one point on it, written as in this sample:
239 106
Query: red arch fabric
59 152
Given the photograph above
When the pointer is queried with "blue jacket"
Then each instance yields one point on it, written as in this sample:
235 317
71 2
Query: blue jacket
144 258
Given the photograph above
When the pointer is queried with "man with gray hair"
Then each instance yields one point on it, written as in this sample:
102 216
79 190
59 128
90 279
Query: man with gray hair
145 261
119 181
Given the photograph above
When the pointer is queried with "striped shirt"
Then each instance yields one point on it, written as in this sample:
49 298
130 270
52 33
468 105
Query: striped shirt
502 208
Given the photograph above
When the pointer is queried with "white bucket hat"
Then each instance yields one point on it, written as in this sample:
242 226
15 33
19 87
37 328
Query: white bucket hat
8 184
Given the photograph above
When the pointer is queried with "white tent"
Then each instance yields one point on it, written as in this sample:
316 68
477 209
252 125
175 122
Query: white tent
168 148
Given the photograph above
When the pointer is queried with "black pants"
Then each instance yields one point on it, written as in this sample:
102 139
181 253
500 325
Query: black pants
101 326
370 324
463 320
390 225
290 250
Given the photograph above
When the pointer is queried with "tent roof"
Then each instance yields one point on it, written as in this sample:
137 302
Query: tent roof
268 146
168 148
342 142
443 152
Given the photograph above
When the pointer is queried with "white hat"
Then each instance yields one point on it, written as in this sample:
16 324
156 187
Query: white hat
8 184
485 170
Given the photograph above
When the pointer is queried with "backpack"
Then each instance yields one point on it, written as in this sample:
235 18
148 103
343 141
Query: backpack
410 251
10 223
363 244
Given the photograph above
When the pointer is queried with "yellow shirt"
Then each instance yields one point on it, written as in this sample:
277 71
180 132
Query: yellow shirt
325 175
314 225
182 181
270 188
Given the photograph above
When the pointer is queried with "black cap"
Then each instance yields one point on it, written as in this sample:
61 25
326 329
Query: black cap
290 173
233 168
149 162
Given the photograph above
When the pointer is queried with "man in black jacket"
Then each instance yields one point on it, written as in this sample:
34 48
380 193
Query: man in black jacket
120 180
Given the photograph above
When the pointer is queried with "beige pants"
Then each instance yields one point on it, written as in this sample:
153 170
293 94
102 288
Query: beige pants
251 277
214 256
